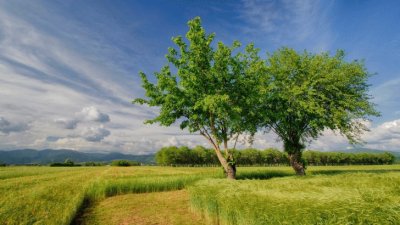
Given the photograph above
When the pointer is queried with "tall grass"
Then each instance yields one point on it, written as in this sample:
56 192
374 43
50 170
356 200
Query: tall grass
344 198
44 195
56 197
44 199
106 188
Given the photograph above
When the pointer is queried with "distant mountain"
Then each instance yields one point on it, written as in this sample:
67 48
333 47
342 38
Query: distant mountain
368 150
31 156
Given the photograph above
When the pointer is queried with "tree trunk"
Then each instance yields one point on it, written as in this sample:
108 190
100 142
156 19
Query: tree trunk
295 162
227 164
229 168
231 171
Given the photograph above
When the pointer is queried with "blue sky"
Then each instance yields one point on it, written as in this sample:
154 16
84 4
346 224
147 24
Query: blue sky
69 69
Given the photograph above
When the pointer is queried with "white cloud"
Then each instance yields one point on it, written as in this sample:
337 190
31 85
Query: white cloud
87 114
52 138
95 134
67 123
148 145
91 113
289 22
295 18
385 136
329 141
7 127
68 80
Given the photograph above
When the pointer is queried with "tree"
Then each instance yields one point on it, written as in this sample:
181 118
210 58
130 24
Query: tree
211 91
249 156
123 162
167 156
68 162
303 94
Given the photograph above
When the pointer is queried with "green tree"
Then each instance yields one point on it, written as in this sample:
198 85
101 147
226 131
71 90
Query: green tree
211 91
388 158
249 156
68 162
303 94
167 156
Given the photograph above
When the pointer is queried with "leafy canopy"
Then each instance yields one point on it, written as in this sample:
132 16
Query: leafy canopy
211 91
305 93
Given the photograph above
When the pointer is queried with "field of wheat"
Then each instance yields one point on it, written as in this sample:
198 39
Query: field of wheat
268 195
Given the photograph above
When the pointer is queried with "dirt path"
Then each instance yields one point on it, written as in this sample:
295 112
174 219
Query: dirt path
164 208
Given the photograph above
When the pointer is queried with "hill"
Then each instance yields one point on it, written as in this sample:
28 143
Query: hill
31 156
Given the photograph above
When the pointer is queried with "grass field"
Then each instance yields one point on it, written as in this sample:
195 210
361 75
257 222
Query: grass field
170 207
272 195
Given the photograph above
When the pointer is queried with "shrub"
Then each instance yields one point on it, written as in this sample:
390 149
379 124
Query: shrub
123 162
66 163
94 164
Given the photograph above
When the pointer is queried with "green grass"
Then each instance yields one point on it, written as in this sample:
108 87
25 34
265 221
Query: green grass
47 195
171 207
328 195
144 183
22 171
335 195
52 198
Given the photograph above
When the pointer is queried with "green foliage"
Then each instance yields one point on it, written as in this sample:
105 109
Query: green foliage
122 162
210 87
340 158
2 164
66 163
200 156
173 156
307 93
94 164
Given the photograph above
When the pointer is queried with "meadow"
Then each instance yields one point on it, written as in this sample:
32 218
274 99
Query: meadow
187 195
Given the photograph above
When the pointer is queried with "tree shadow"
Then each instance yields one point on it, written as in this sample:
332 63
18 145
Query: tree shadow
262 175
335 172
266 174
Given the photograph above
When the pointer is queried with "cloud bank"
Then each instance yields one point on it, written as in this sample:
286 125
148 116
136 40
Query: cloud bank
68 71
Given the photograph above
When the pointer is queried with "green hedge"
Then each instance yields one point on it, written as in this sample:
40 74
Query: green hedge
123 162
200 156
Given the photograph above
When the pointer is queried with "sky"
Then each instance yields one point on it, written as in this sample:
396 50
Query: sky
69 69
